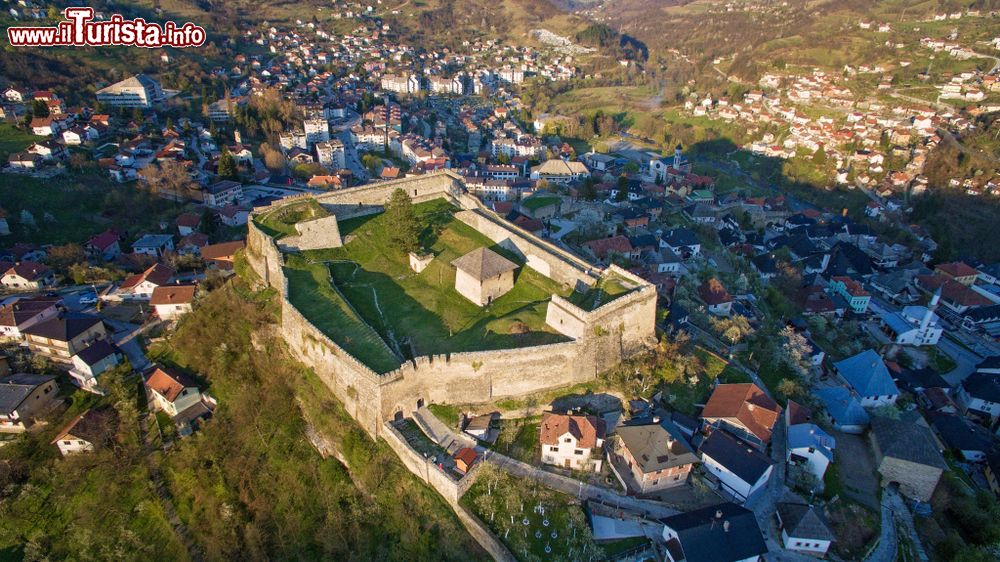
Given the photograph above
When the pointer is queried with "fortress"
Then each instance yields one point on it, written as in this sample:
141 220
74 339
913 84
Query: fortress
599 338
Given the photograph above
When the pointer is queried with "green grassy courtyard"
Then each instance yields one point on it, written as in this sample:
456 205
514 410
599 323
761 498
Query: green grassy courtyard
378 297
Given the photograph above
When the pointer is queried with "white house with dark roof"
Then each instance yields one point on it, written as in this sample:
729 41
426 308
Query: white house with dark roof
92 361
803 529
739 469
483 275
23 396
718 533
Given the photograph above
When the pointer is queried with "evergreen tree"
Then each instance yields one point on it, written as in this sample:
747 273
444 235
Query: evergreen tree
402 221
622 192
227 165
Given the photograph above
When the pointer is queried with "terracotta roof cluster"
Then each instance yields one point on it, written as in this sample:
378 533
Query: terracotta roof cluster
952 291
222 250
853 287
586 429
747 404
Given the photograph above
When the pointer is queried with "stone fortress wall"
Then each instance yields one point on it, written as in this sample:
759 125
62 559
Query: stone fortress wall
601 337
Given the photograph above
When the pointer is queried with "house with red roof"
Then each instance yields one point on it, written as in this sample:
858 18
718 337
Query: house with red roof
716 297
743 410
958 271
142 285
602 248
105 245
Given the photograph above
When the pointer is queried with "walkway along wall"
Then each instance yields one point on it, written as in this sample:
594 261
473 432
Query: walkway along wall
602 337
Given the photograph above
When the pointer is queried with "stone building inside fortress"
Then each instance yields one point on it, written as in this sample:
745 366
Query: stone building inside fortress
599 338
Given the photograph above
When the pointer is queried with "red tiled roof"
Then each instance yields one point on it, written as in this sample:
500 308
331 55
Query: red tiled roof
157 274
602 246
168 383
103 240
586 429
173 294
957 269
952 291
747 404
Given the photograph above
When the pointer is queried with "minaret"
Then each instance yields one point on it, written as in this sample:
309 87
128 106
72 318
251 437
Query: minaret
678 158
237 137
931 307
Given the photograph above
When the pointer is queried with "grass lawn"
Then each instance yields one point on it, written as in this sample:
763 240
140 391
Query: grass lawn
81 206
447 413
310 292
281 221
14 140
940 361
423 310
537 202
519 439
607 289
684 396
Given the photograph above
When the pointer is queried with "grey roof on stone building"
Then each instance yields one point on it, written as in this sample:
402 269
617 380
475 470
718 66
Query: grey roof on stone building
483 263
908 438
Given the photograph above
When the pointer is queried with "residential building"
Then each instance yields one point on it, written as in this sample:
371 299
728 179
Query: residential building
852 291
172 301
969 441
843 410
716 298
718 533
177 395
155 245
811 448
221 255
22 397
959 272
737 468
106 245
979 397
867 376
23 313
86 432
914 325
93 361
651 457
65 335
142 285
803 529
26 276
560 171
745 411
568 441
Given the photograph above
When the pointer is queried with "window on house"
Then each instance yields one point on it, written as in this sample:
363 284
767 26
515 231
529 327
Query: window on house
554 449
67 442
578 452
567 440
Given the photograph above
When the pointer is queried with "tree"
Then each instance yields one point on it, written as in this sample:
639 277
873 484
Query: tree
732 328
402 221
791 388
227 165
588 191
621 193
39 108
169 179
61 257
795 350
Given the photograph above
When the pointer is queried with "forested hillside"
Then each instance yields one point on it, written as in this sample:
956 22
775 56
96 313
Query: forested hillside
247 486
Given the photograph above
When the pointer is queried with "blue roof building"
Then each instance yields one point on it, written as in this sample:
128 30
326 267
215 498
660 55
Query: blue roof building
844 410
868 376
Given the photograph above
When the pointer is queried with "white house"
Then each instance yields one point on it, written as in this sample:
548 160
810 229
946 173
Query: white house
803 529
172 391
142 285
867 376
91 362
568 440
739 469
172 301
85 432
914 325
810 447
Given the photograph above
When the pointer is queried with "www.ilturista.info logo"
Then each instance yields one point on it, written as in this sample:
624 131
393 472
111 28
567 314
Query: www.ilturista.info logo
79 30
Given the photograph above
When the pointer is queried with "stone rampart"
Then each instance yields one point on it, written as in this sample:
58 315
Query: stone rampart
315 234
601 338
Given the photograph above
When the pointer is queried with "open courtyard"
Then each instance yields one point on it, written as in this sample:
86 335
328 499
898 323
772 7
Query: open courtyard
367 298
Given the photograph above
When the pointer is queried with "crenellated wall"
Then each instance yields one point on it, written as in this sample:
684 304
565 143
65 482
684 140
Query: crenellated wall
601 337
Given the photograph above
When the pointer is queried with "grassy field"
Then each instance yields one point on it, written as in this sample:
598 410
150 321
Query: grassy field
424 308
14 140
81 206
537 202
310 291
606 290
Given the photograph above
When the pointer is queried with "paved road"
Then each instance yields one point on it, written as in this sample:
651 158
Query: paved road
566 485
886 549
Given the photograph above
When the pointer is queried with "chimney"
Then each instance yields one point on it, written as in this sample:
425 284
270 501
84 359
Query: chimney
718 514
656 419
725 525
